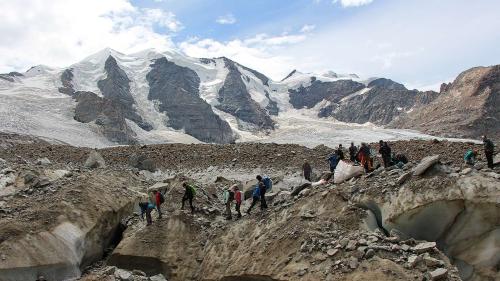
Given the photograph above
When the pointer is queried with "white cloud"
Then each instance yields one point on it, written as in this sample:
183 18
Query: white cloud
308 28
261 52
61 32
353 3
226 19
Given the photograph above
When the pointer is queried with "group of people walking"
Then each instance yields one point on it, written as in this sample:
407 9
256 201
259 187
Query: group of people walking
363 155
231 195
157 198
264 184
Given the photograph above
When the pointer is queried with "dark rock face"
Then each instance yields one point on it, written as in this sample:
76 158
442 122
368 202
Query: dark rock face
318 91
380 105
10 76
387 84
177 89
206 61
272 106
468 107
67 82
105 113
289 75
117 89
236 100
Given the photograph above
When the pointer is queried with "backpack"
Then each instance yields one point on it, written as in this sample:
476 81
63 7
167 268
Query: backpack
193 189
268 183
162 198
256 192
231 196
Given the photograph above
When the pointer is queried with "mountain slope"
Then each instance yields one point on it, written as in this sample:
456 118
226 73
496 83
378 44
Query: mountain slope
112 98
468 107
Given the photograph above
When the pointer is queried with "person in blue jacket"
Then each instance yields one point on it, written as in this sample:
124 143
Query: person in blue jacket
255 198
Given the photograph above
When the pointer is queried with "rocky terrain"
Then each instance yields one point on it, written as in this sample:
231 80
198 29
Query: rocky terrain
71 212
468 107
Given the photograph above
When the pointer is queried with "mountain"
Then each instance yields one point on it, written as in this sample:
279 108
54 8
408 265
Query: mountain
112 98
467 107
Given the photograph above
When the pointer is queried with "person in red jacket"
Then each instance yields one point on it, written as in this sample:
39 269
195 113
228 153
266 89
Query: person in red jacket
158 202
238 198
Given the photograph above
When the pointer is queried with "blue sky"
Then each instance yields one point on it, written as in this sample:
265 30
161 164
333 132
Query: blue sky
420 43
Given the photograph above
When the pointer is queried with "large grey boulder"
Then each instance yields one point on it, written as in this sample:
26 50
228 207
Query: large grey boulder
425 164
176 89
142 162
95 160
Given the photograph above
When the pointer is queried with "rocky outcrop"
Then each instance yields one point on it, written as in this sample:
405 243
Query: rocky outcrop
385 101
106 114
67 82
235 99
10 76
115 87
272 106
177 90
316 92
468 107
289 75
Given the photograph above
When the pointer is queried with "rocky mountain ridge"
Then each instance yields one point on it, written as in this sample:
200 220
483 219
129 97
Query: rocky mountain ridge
168 97
467 107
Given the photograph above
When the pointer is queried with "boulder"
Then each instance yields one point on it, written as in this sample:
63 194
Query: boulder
142 162
403 178
43 161
299 188
425 164
158 277
94 161
424 247
496 159
123 275
438 274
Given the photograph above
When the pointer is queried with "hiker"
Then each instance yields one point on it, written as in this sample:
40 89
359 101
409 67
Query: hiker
470 157
146 208
228 198
255 198
189 193
385 151
364 156
333 160
159 199
262 190
238 197
489 149
340 152
353 151
307 170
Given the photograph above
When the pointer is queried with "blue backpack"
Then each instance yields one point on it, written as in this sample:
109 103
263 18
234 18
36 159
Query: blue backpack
256 192
267 182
